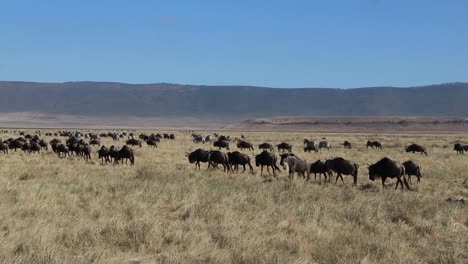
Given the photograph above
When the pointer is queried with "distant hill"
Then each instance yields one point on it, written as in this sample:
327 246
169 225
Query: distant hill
233 102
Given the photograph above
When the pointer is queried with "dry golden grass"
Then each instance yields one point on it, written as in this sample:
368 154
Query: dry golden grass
163 210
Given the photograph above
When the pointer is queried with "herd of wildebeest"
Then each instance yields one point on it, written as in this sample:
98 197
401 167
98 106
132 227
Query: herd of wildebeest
80 144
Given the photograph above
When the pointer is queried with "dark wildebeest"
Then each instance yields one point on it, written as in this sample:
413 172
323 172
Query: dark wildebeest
35 147
224 138
3 147
265 146
459 148
373 144
343 167
43 144
103 154
284 146
267 159
197 156
62 149
310 142
114 154
310 148
320 168
412 169
216 157
236 158
416 148
294 164
387 168
16 144
151 143
94 142
221 144
324 144
133 142
126 153
244 145
26 147
347 144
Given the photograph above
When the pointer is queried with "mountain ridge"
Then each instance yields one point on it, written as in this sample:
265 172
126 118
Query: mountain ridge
241 102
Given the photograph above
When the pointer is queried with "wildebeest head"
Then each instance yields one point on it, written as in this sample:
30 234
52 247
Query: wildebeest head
372 172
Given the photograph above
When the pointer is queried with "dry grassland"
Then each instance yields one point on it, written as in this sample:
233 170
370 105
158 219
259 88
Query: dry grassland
163 210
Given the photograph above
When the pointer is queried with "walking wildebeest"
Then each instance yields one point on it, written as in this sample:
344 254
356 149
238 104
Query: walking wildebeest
460 148
310 142
265 146
416 148
373 144
62 149
236 158
324 144
284 146
343 167
95 141
216 157
310 148
412 169
103 154
387 168
221 144
347 144
197 156
267 159
294 164
127 153
133 142
151 143
319 167
244 145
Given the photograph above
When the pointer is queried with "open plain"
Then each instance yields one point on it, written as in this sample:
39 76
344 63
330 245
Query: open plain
164 210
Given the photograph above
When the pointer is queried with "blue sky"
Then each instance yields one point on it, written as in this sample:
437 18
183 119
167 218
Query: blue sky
327 43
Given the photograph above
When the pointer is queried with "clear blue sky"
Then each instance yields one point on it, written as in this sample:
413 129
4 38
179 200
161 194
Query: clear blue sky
287 43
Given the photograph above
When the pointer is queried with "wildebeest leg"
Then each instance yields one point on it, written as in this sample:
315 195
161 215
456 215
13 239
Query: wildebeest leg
341 177
383 183
261 171
398 182
337 177
244 168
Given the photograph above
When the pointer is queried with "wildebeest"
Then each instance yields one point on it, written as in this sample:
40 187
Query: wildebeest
34 147
133 142
284 146
387 168
324 144
412 169
265 146
310 142
94 141
416 148
294 164
310 148
16 144
62 149
216 157
43 144
126 153
343 167
373 144
197 156
267 159
319 167
460 148
244 145
103 154
236 158
347 144
221 144
4 147
151 143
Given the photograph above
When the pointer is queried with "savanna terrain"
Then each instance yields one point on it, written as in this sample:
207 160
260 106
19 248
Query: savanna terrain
163 210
